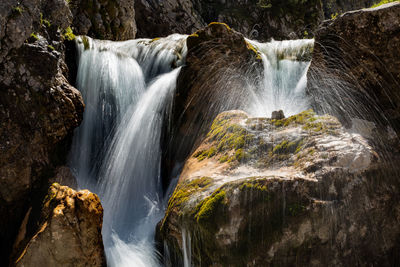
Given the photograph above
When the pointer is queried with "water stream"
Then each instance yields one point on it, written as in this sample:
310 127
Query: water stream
128 89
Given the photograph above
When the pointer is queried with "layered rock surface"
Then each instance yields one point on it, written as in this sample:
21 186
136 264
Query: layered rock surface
69 232
355 66
296 191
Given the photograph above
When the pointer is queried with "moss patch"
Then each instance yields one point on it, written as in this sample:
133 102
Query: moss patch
208 208
68 34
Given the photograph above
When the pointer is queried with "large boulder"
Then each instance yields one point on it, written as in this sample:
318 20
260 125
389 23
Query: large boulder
300 191
355 69
219 66
68 232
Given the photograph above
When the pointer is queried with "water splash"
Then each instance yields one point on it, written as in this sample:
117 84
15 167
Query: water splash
128 89
284 78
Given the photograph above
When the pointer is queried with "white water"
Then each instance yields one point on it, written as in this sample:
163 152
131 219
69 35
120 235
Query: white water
285 77
128 88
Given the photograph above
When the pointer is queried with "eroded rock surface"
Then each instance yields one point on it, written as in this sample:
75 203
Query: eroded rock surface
111 20
296 191
219 63
69 232
355 71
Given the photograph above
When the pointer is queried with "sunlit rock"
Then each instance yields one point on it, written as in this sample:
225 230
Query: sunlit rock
296 191
68 233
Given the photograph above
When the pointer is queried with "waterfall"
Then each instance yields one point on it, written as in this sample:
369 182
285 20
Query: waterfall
128 89
285 77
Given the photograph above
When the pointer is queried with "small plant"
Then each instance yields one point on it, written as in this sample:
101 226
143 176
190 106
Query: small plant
17 10
44 21
69 35
384 2
264 4
334 16
34 36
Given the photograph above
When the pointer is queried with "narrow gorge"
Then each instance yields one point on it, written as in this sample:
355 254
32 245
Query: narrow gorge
144 133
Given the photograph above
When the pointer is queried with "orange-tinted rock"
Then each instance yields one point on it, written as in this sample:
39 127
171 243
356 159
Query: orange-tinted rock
69 232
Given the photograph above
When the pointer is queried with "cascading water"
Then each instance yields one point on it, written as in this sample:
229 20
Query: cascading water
128 88
285 76
116 151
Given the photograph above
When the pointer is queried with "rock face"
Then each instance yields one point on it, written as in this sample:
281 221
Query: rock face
255 19
355 66
38 107
335 7
299 191
264 19
219 63
156 19
111 20
69 232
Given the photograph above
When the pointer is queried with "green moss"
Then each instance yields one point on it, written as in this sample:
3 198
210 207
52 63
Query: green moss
44 22
185 189
223 159
85 42
286 147
51 47
295 209
220 23
208 208
334 16
253 186
17 10
68 34
253 49
384 2
239 155
264 3
314 126
34 36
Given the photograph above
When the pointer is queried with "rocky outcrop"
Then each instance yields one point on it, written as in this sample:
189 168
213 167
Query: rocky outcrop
256 19
38 108
355 66
334 8
111 20
265 19
68 232
218 65
299 191
156 19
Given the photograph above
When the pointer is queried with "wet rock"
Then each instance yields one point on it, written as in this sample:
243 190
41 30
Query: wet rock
157 19
255 19
68 232
219 65
336 7
277 115
297 191
111 20
355 69
265 19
